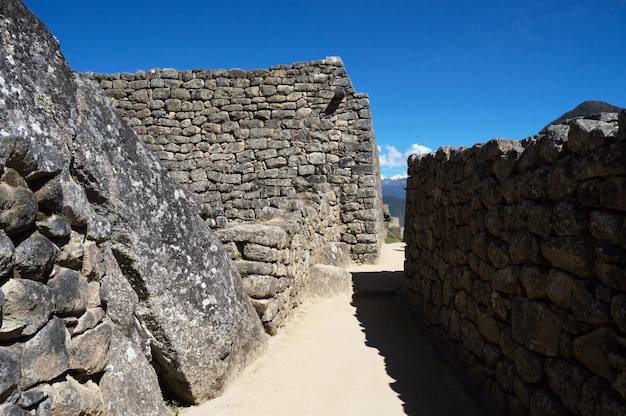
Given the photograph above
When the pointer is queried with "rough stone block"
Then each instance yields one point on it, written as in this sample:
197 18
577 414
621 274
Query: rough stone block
34 257
9 372
260 286
592 350
130 385
71 292
88 351
618 311
6 258
266 235
566 378
586 307
613 193
570 218
45 356
326 280
529 365
609 226
540 327
507 280
27 307
559 287
587 135
18 209
542 403
573 254
72 398
603 162
334 254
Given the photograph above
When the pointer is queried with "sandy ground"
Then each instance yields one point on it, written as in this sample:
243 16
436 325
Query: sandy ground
353 354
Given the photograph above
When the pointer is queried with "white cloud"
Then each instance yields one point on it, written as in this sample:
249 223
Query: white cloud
392 158
417 148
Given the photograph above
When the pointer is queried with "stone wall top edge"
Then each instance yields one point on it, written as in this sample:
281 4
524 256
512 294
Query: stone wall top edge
553 142
237 72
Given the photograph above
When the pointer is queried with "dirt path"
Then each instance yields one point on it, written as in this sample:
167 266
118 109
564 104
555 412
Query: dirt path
356 354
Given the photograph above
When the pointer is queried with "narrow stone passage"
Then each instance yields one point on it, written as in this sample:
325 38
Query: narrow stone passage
356 354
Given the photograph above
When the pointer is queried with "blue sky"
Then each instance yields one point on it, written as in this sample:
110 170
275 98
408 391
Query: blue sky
438 73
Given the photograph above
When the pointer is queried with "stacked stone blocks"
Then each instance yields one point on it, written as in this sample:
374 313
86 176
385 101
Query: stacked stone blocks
516 259
274 258
57 340
249 142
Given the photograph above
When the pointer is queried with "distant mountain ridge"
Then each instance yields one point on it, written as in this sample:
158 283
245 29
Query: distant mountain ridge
394 195
585 109
394 187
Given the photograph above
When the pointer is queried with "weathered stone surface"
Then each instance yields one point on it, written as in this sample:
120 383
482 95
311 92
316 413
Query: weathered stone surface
70 255
88 351
586 306
50 197
54 226
559 287
558 308
31 159
592 350
270 141
71 292
543 403
98 228
34 258
538 326
72 398
18 209
6 255
27 307
570 218
7 409
88 320
76 207
260 286
334 254
175 265
153 224
566 378
269 236
618 311
31 397
529 365
93 261
129 385
608 225
574 254
606 161
45 356
9 372
326 280
587 135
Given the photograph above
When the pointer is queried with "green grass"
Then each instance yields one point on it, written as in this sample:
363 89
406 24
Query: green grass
174 406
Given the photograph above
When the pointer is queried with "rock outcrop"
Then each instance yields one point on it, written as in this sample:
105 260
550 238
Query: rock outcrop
106 266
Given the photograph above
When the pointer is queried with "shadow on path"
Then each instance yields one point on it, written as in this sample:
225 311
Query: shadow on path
426 384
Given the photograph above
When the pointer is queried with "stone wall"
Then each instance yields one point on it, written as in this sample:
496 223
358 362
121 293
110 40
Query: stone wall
276 259
516 260
250 142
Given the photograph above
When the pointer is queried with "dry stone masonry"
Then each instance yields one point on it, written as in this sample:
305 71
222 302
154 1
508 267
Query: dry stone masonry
112 285
516 259
250 143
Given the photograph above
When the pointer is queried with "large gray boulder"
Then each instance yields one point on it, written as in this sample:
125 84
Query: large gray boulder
191 306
